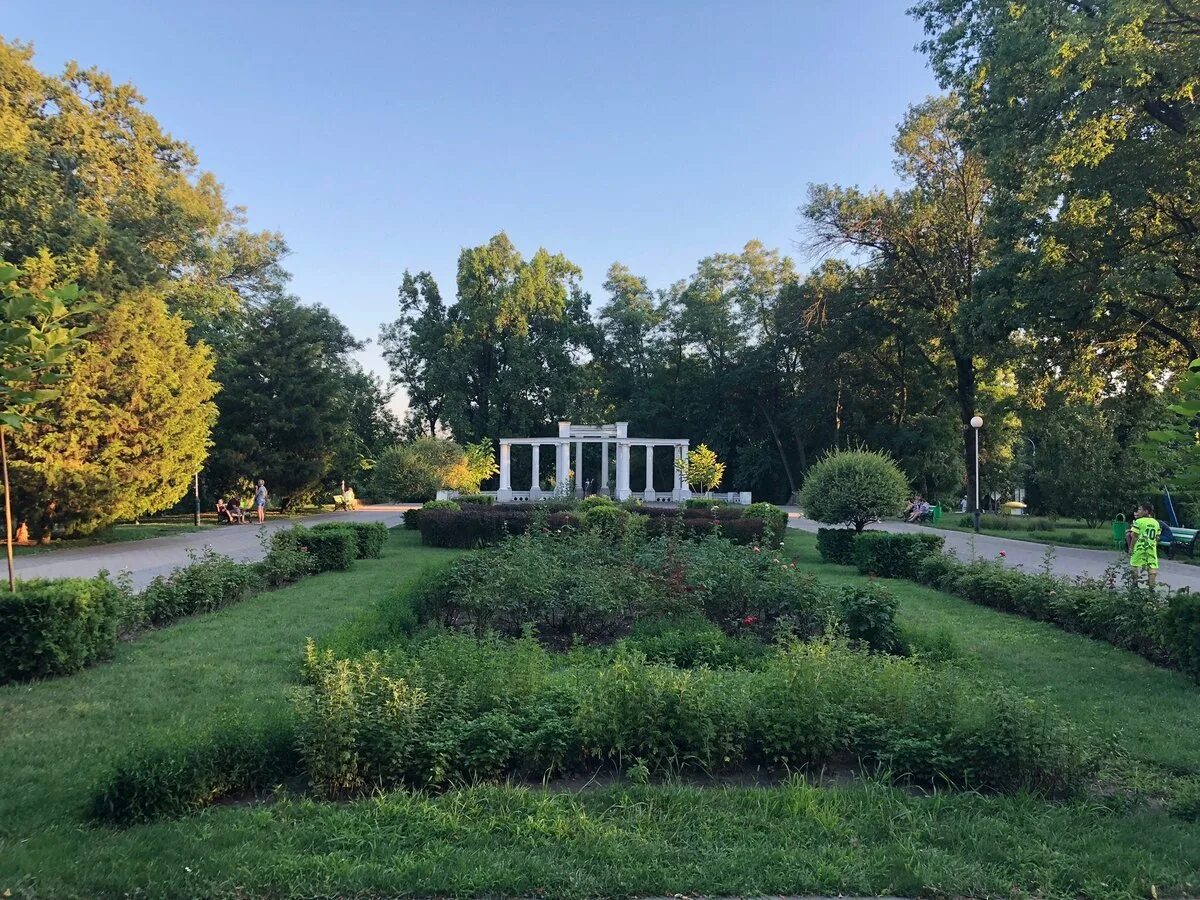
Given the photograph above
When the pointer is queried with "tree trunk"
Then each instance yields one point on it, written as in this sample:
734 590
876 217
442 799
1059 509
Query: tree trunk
787 469
964 370
8 525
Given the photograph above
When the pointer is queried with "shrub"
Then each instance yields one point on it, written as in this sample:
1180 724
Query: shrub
471 528
416 470
286 559
868 613
894 555
740 531
476 499
592 501
209 582
412 518
774 519
606 518
331 549
691 641
369 537
442 504
853 487
1181 632
454 709
183 773
53 627
836 545
701 503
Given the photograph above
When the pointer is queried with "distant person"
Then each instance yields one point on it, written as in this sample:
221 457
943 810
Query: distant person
223 513
963 504
260 500
236 513
1142 542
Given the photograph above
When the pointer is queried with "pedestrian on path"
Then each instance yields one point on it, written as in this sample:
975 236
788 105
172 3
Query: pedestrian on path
1142 542
260 501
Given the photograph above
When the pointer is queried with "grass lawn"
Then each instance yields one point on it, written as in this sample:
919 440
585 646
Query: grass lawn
60 736
1066 533
117 534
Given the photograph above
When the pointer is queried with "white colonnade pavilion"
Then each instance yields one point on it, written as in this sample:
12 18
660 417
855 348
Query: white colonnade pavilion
575 436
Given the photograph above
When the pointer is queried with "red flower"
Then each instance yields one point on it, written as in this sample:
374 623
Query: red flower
749 620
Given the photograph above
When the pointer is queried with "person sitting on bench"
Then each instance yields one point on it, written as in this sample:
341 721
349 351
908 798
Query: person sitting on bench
236 513
223 513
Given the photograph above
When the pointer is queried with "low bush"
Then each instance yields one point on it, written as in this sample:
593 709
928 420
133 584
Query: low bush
592 501
702 503
331 549
209 582
836 545
287 559
894 555
1181 632
606 518
453 709
53 627
691 641
473 527
370 537
868 614
738 530
994 522
475 499
183 773
774 519
442 504
412 518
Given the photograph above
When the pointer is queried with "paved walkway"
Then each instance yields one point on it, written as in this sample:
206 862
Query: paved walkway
1069 562
158 556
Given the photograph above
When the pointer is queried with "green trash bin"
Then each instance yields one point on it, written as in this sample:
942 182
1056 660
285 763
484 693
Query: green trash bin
1120 527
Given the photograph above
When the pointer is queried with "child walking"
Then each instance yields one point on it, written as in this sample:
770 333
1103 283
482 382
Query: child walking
1142 543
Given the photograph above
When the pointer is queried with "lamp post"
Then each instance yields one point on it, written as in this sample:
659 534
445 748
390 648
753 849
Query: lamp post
976 424
196 495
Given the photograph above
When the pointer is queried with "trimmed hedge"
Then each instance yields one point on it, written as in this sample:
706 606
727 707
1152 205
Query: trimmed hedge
836 545
210 582
894 555
53 627
332 549
475 499
737 530
473 527
1133 619
181 774
369 536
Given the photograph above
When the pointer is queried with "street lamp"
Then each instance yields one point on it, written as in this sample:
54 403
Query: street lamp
976 424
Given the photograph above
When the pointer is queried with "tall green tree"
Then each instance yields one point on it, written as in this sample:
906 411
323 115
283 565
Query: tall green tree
1087 116
925 246
509 356
283 408
127 432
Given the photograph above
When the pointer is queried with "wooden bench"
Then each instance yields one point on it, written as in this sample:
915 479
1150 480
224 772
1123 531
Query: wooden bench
1181 539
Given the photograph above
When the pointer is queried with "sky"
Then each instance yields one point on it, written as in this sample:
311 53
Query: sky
384 136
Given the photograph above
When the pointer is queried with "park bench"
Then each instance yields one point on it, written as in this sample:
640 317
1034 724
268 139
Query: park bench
1179 539
344 501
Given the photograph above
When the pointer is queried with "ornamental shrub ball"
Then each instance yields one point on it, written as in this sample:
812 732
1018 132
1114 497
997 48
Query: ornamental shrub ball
853 487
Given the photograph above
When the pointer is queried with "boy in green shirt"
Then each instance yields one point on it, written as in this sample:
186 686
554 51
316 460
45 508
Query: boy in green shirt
1142 543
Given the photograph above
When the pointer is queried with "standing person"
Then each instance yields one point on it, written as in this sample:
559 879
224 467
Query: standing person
260 500
1142 542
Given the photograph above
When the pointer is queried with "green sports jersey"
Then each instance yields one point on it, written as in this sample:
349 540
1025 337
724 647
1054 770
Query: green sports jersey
1148 531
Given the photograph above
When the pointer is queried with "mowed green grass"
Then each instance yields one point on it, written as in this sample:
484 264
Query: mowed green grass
1067 533
58 737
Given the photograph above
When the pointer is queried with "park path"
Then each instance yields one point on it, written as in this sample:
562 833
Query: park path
1069 562
158 556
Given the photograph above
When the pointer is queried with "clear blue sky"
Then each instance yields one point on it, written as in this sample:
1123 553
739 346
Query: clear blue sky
383 136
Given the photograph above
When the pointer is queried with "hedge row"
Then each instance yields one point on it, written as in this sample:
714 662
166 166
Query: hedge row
55 627
472 526
1166 632
1134 619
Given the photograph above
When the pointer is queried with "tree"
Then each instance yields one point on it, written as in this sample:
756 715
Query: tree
478 463
510 355
1087 117
127 432
853 487
284 415
701 468
925 247
36 340
419 469
94 191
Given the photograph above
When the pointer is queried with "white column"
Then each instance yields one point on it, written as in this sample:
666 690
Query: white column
623 491
604 467
535 483
562 465
505 492
677 476
649 495
685 490
579 468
